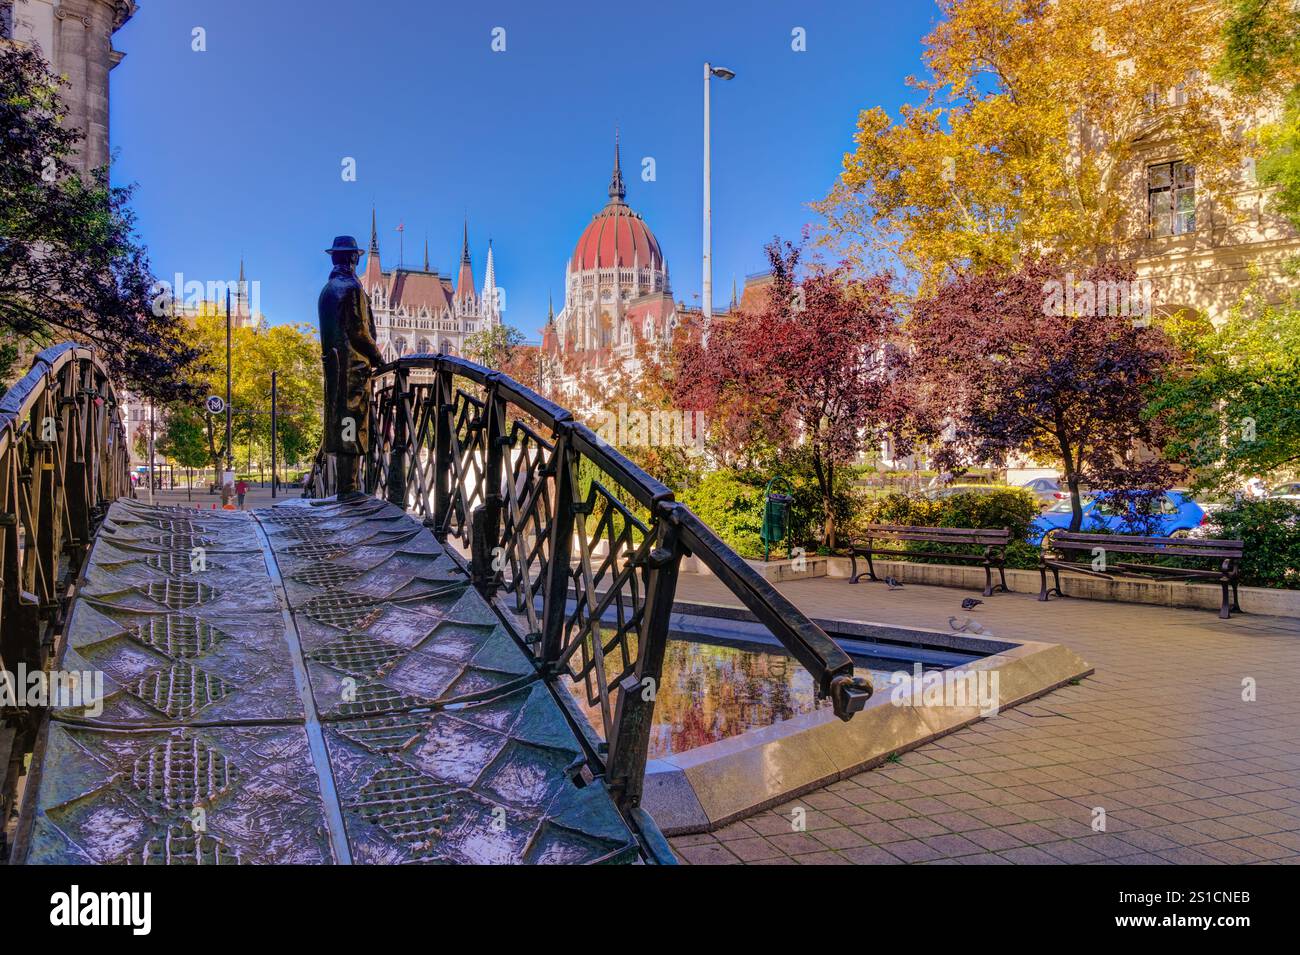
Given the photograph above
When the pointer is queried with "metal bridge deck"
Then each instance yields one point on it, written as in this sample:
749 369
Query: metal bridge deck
285 701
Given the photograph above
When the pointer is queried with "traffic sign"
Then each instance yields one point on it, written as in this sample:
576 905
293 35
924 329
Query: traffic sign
215 404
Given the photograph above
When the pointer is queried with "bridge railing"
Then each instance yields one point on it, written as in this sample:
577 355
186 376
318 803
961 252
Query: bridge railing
63 460
488 462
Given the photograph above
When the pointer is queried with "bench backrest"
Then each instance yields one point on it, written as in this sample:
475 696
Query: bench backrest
985 537
1132 544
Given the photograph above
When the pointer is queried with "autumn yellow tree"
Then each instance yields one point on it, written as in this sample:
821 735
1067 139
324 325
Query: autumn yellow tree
292 351
1030 116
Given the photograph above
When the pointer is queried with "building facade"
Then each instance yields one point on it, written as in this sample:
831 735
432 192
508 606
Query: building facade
616 285
1201 250
76 38
618 300
418 310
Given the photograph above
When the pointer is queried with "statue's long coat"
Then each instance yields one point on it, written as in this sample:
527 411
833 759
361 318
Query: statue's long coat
348 349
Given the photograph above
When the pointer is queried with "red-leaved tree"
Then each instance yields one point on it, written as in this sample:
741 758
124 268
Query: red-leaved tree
813 368
1037 362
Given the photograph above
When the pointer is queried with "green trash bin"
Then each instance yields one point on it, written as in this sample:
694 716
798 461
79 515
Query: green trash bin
776 515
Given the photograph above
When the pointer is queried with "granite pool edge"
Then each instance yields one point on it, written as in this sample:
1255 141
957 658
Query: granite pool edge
714 785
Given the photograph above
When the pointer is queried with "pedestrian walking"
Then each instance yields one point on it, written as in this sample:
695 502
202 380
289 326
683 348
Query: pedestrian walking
241 488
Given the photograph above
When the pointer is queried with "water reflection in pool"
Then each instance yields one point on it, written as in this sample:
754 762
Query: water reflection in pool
714 691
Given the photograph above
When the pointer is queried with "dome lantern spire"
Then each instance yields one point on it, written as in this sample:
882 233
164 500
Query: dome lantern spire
617 191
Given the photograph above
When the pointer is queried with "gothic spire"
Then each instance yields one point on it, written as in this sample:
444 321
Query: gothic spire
465 278
374 233
426 252
617 191
490 282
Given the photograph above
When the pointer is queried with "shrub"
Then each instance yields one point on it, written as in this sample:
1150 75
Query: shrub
731 503
1012 508
732 507
1270 530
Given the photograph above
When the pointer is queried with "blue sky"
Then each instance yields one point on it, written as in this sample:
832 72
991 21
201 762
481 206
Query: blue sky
240 148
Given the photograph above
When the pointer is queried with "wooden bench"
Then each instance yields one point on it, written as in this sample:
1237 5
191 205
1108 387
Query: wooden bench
1059 545
993 554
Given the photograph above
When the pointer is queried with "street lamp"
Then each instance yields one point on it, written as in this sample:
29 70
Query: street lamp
725 74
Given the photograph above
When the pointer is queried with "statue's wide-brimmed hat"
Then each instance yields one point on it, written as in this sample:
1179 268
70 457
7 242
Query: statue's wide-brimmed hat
344 243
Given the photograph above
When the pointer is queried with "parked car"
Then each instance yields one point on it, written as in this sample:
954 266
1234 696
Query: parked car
1049 491
1177 515
1286 492
1209 503
939 493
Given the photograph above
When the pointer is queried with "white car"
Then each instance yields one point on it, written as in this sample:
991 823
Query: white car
1286 492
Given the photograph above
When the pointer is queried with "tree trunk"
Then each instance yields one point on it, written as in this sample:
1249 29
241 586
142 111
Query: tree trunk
1069 464
824 476
1076 501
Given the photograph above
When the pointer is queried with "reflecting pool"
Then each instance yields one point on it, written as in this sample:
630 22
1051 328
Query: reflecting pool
711 691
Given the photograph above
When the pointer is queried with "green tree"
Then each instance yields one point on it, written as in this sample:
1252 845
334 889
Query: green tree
184 437
493 347
1233 408
70 264
292 351
1233 411
1261 55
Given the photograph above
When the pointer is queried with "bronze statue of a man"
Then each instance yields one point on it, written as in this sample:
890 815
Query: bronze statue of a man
348 349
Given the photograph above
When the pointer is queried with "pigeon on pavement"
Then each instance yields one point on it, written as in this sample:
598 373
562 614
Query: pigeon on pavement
970 603
893 584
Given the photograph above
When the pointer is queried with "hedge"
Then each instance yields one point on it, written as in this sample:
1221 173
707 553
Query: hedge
732 504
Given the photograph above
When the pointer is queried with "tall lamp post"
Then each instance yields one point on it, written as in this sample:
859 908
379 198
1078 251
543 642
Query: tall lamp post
274 431
230 450
151 440
725 74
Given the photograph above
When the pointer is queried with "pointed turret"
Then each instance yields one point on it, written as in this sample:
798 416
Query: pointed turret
426 252
465 280
617 191
373 274
490 283
550 340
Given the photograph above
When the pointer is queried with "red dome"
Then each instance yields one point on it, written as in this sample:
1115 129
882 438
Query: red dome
617 238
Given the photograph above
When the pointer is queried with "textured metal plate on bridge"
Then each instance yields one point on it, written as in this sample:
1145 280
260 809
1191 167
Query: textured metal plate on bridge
293 708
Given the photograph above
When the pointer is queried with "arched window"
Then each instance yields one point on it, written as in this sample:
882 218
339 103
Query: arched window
424 346
399 344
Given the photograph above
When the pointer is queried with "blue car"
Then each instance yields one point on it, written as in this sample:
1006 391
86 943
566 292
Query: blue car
1176 515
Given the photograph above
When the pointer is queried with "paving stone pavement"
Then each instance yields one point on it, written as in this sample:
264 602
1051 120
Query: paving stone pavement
1160 739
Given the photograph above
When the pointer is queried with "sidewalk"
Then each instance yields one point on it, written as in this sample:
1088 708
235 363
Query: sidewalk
1159 743
257 496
